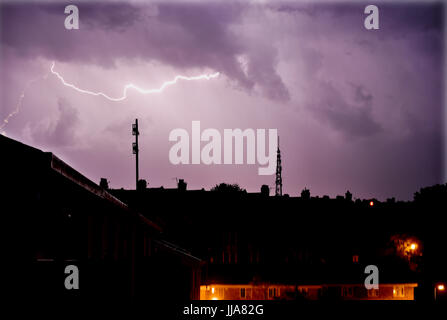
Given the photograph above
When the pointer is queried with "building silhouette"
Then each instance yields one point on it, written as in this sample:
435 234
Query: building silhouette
177 244
62 218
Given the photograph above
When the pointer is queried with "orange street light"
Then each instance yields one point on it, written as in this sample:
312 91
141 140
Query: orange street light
413 246
371 203
439 287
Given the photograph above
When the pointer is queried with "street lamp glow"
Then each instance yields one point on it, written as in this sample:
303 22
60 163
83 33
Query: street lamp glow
371 203
413 246
441 287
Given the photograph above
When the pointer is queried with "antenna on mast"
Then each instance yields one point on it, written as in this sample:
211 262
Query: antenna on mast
135 149
278 181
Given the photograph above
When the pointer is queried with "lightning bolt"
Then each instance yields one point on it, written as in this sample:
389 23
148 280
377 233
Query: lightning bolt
102 94
19 104
132 86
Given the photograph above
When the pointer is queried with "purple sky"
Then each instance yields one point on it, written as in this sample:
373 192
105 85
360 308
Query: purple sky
355 109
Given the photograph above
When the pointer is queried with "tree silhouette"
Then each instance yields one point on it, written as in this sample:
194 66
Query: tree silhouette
433 194
226 187
348 196
305 194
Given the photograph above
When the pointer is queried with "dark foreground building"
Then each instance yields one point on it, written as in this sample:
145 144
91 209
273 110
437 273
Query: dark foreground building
251 246
61 218
304 247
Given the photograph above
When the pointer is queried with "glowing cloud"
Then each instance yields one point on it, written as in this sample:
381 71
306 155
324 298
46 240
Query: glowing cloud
121 98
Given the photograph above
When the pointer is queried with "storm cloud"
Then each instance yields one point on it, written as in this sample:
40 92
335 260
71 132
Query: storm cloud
356 109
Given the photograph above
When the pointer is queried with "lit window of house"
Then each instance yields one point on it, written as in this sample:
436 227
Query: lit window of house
398 292
355 259
273 292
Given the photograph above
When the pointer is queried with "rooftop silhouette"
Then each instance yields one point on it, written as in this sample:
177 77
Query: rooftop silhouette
224 235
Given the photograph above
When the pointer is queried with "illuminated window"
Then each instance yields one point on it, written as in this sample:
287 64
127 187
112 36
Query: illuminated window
355 258
273 292
398 292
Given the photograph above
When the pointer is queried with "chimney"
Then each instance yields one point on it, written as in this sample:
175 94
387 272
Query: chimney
104 183
142 185
265 190
181 185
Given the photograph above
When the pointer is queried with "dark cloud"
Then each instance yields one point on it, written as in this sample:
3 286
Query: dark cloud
381 90
353 120
62 130
361 95
262 62
420 17
111 16
394 16
180 35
